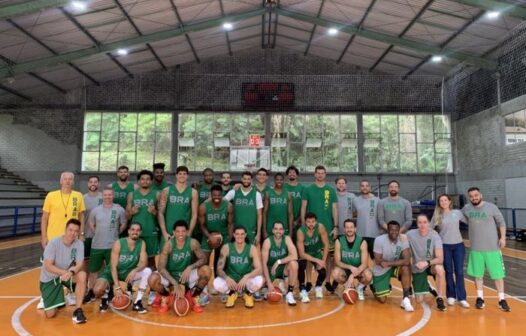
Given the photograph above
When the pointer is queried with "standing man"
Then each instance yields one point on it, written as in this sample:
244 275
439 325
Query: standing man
345 201
295 189
159 183
92 199
428 259
261 181
225 182
280 260
107 221
313 246
277 207
366 208
239 269
142 208
248 205
128 264
392 259
122 187
176 269
205 187
62 267
178 201
395 208
483 218
351 258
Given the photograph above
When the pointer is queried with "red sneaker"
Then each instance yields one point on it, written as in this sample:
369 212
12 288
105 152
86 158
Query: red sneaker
157 301
190 298
166 303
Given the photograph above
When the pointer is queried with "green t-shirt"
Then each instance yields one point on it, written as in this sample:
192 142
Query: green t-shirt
179 259
120 195
296 192
278 210
350 253
178 206
143 217
238 264
320 201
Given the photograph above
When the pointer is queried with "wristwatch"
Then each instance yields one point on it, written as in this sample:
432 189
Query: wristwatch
279 261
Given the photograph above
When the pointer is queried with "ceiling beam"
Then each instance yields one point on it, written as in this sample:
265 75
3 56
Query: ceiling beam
393 40
181 24
313 29
29 7
226 32
125 43
15 93
500 6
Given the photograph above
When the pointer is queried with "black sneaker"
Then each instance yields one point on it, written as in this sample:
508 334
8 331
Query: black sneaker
89 297
433 291
78 316
440 304
329 288
479 304
503 305
103 307
308 287
139 308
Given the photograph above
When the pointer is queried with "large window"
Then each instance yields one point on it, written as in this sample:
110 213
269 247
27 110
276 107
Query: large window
515 127
136 140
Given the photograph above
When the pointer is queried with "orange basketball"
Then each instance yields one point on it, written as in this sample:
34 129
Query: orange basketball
215 240
120 302
181 306
275 295
350 295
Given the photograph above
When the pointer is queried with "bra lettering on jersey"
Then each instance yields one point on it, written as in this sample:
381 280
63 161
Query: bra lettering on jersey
244 202
179 199
178 256
125 258
238 260
216 216
295 194
121 194
142 201
311 241
350 254
278 254
274 201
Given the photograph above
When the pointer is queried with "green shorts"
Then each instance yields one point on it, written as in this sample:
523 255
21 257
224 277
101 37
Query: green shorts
87 248
420 284
97 258
152 245
382 283
479 261
106 275
53 293
370 246
280 272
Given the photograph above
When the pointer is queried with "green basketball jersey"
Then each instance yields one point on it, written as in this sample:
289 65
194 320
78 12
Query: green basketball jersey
143 217
160 187
128 260
263 191
120 195
204 192
278 210
178 206
225 191
313 245
296 192
179 259
350 255
216 220
277 252
238 264
245 212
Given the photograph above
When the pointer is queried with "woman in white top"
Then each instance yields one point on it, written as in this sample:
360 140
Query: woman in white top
447 222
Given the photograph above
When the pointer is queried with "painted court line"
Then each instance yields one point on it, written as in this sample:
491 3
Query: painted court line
19 273
421 323
18 296
15 319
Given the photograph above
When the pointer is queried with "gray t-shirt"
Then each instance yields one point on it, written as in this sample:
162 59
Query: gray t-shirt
449 229
398 210
61 255
390 251
483 221
367 216
344 208
90 202
423 247
107 222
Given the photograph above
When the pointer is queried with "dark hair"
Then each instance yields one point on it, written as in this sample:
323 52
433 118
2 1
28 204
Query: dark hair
144 172
240 227
279 174
365 180
247 173
262 170
123 167
182 169
340 178
93 176
348 220
181 223
292 168
319 167
135 223
223 173
278 222
216 187
73 221
393 222
208 170
310 215
473 189
158 165
393 181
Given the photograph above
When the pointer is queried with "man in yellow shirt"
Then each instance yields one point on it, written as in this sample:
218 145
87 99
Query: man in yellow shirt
59 207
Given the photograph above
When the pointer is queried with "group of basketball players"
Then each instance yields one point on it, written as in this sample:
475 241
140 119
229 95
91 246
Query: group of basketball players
161 236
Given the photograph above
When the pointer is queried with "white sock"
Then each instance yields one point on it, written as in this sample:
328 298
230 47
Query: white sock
360 285
140 293
501 296
480 294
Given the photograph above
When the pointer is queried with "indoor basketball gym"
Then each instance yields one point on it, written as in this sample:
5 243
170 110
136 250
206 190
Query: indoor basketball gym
430 93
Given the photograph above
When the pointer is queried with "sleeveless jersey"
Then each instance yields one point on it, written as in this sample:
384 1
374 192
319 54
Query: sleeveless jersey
120 195
313 245
143 217
204 192
179 259
296 192
350 255
128 260
278 210
216 219
178 206
277 252
245 212
160 187
238 264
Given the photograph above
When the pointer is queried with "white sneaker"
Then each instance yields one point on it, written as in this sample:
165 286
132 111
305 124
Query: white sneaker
71 300
40 304
464 304
151 298
406 304
319 292
223 297
304 296
281 286
359 289
264 292
290 299
451 301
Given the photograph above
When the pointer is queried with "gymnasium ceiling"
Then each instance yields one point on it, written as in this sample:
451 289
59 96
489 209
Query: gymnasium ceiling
51 46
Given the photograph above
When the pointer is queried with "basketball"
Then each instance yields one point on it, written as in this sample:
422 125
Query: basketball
215 240
120 302
181 306
350 295
275 295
